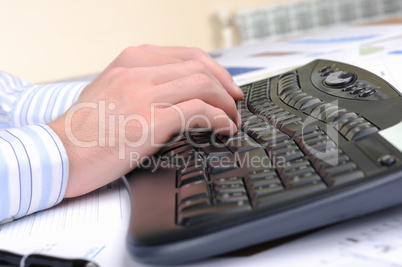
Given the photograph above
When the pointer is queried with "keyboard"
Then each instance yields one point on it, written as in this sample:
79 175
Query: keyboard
310 152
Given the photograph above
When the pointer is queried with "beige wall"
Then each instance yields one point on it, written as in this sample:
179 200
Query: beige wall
45 40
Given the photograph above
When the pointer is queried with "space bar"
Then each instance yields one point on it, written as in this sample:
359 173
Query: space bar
289 194
205 213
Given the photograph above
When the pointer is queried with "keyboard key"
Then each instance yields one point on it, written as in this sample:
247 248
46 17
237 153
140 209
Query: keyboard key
271 138
229 180
266 108
306 102
286 74
322 112
258 105
200 214
300 180
322 109
291 194
290 96
245 88
287 118
240 142
214 151
282 89
309 136
344 178
278 145
340 124
229 187
189 177
313 107
231 197
361 132
321 163
296 165
263 190
351 124
285 154
333 112
299 171
267 115
289 78
290 155
191 204
193 190
284 95
253 126
222 164
337 117
258 94
327 173
292 102
292 79
315 142
296 128
322 156
263 178
193 163
320 146
271 119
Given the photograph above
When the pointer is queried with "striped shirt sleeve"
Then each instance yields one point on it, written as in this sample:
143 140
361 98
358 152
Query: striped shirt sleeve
33 161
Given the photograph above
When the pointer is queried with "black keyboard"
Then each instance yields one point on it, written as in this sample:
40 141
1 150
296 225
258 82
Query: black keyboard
309 153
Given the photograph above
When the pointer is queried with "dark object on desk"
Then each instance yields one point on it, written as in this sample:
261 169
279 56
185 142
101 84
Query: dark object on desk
309 154
10 259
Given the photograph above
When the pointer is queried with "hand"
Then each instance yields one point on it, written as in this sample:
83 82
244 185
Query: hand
151 55
144 97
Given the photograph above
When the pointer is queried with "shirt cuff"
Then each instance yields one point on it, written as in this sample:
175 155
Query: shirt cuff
34 170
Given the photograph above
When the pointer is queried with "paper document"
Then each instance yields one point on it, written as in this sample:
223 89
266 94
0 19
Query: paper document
93 226
375 48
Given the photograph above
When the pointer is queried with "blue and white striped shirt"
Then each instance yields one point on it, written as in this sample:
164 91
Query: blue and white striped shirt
33 161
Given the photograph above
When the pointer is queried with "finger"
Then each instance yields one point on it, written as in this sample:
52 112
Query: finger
165 73
194 113
196 86
197 54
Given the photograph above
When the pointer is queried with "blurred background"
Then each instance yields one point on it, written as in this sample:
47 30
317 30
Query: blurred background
47 40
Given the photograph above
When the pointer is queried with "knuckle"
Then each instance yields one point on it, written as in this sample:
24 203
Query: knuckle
195 65
145 46
219 113
202 80
130 51
197 52
197 105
